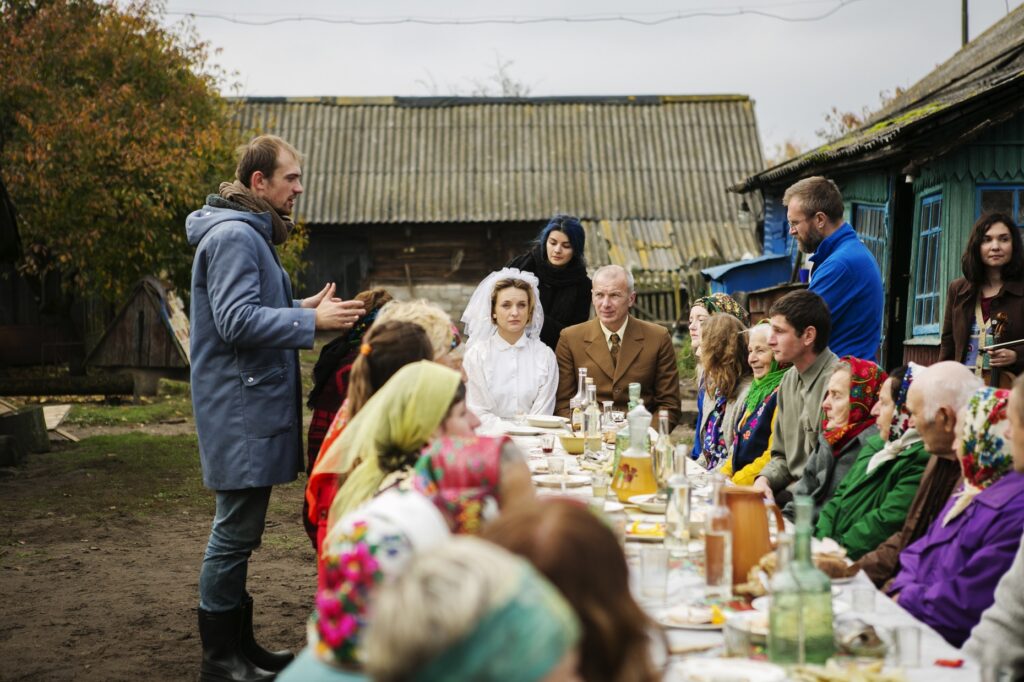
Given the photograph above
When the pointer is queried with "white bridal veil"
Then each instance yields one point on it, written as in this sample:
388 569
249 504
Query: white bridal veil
477 317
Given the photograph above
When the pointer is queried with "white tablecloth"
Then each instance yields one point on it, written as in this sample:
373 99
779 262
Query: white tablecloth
686 585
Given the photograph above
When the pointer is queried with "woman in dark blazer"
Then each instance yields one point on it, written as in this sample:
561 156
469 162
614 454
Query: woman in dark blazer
992 288
558 261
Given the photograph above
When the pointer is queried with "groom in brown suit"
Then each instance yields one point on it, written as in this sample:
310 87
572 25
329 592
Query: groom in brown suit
618 349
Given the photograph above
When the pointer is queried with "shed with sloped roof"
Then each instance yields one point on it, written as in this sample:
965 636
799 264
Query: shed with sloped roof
431 193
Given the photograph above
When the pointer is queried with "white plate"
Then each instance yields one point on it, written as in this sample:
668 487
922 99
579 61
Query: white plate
763 603
613 506
664 619
545 421
540 466
714 669
555 481
522 431
648 503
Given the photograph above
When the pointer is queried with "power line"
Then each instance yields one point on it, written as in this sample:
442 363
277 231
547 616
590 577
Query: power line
636 19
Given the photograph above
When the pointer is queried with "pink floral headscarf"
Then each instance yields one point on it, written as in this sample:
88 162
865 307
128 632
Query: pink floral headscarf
462 477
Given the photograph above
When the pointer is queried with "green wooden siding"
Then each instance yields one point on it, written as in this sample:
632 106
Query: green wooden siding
868 188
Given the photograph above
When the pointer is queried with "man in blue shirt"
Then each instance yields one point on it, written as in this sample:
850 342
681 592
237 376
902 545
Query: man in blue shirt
844 272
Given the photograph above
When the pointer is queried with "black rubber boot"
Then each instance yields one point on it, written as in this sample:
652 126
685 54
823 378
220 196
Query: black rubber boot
223 660
268 660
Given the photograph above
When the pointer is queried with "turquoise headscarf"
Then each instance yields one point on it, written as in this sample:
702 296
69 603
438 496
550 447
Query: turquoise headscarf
520 641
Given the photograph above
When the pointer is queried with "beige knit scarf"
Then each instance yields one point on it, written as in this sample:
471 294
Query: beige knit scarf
238 193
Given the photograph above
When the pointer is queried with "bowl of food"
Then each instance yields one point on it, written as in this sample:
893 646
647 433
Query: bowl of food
572 444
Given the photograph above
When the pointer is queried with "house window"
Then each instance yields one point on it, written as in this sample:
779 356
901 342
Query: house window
1007 199
927 280
869 222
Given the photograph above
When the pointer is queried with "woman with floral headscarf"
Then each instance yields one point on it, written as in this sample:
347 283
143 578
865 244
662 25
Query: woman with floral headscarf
700 311
753 432
872 501
848 423
949 575
470 479
367 548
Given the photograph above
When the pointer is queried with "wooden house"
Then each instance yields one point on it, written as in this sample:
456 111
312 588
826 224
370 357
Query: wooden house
426 195
916 176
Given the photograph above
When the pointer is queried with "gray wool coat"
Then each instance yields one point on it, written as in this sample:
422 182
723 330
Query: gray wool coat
245 332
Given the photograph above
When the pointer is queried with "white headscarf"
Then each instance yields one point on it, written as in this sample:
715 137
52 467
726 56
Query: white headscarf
479 324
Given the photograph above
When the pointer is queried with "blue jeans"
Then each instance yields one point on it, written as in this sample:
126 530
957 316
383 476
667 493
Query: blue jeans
237 529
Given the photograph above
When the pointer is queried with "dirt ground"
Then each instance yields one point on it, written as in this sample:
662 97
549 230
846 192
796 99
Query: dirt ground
99 560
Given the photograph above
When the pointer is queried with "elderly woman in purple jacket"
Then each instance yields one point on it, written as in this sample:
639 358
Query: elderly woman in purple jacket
949 576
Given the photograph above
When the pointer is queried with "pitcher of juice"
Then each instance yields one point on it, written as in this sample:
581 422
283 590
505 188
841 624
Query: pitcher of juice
634 474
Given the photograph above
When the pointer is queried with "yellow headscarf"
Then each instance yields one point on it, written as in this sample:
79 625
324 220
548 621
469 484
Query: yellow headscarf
402 415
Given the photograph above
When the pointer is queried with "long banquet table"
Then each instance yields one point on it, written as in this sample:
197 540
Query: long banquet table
686 586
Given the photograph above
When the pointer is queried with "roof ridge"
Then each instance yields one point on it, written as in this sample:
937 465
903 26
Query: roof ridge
458 100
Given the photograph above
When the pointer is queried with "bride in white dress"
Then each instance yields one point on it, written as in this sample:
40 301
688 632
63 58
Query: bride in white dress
510 371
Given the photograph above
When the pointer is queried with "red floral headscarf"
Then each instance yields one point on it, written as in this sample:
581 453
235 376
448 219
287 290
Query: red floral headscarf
866 379
461 476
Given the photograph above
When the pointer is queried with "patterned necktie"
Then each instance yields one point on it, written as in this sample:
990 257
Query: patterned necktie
614 338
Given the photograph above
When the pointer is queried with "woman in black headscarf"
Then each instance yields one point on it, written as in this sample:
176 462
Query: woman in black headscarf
558 261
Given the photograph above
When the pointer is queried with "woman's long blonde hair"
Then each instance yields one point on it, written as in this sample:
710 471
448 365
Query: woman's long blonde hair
723 354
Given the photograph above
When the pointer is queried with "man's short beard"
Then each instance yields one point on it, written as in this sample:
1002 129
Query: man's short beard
811 243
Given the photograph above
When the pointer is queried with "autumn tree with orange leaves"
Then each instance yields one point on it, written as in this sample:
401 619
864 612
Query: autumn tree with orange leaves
111 131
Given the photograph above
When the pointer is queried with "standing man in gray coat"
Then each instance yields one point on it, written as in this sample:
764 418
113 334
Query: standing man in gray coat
246 388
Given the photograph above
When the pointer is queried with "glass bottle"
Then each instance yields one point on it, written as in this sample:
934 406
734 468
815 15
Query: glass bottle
635 473
677 516
718 544
663 456
800 616
608 428
575 403
592 425
634 396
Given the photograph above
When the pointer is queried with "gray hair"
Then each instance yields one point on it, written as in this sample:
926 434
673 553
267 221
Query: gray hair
618 270
436 603
945 384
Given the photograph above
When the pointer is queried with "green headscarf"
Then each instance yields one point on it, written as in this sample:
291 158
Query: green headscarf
520 641
761 388
402 416
723 303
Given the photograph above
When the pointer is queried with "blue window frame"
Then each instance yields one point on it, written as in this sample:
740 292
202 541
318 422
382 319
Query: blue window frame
1003 198
927 279
869 220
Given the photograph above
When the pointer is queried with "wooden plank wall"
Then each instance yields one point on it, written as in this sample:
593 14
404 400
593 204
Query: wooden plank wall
139 339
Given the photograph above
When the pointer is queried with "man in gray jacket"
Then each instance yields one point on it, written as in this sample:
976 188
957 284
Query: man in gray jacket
246 391
800 328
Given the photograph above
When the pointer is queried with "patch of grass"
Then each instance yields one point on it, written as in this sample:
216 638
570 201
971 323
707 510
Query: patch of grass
686 361
165 407
130 474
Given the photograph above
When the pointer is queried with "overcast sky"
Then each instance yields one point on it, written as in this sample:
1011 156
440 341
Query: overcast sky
795 71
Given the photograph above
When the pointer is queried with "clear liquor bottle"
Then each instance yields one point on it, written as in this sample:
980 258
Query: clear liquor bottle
677 516
718 544
575 409
592 425
663 455
800 616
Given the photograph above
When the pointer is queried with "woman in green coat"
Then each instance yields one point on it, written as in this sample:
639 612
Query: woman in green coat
872 501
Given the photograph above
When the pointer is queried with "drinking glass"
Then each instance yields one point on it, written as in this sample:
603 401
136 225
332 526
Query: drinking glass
547 443
908 646
599 481
556 467
654 572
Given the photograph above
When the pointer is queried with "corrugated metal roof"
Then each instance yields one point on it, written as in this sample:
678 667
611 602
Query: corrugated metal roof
629 161
992 63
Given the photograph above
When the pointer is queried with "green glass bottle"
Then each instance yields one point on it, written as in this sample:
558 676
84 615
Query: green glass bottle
800 616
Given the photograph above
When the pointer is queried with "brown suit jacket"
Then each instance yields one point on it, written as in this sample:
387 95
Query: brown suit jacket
646 356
